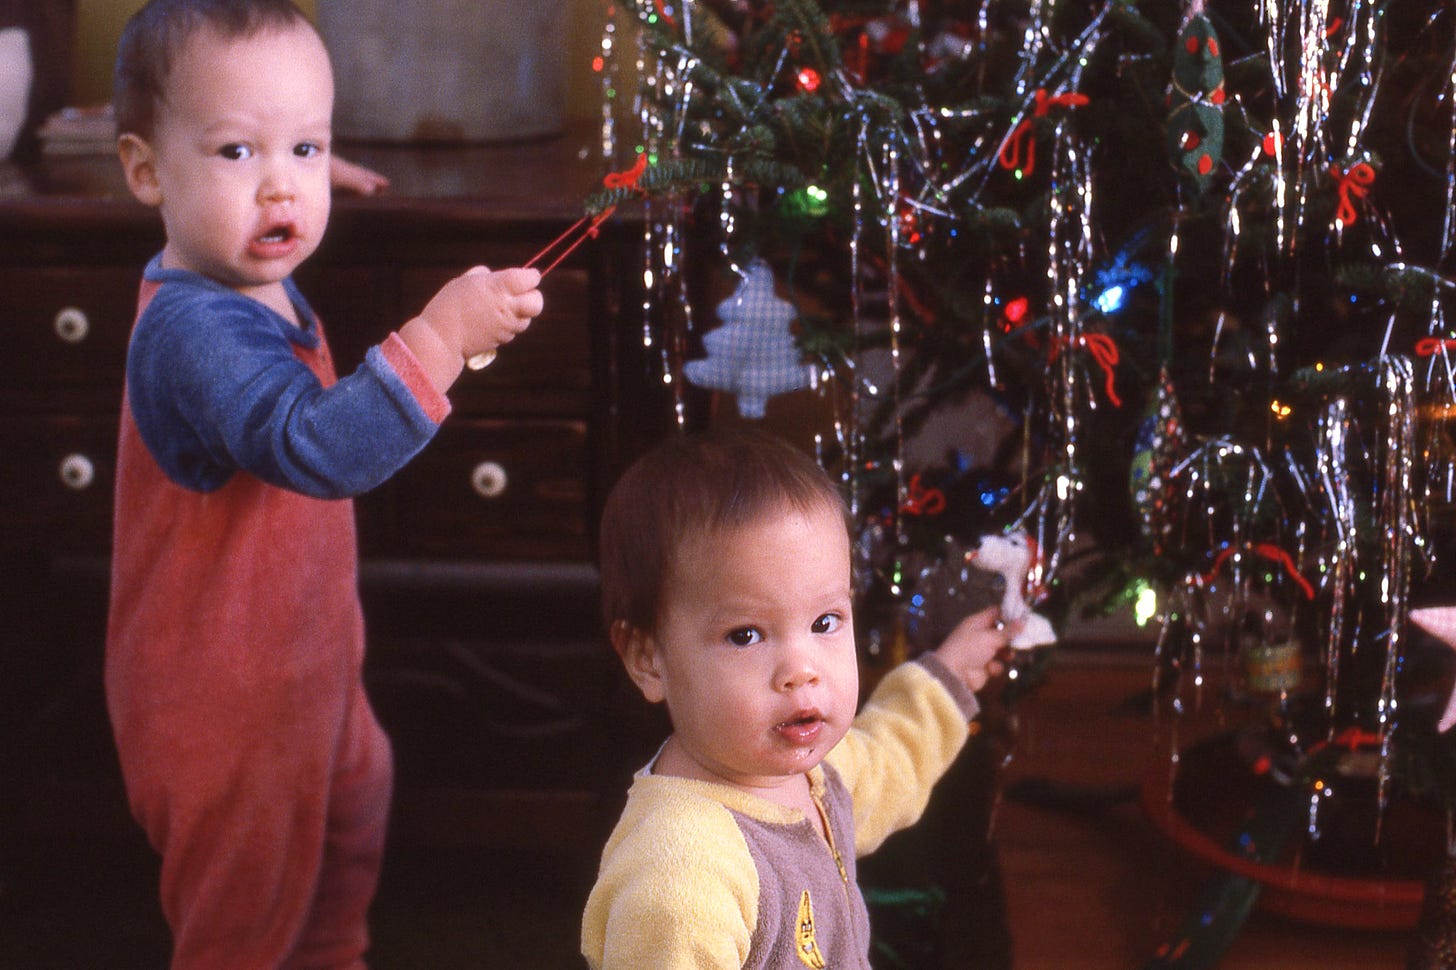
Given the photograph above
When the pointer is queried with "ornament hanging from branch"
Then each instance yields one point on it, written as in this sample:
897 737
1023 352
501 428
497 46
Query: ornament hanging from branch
1195 102
1161 443
753 355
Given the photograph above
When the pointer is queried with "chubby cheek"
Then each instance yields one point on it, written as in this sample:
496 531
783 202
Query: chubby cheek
320 202
844 679
215 221
730 710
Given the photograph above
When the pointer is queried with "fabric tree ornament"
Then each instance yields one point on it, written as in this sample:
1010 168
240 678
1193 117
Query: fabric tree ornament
753 355
1195 103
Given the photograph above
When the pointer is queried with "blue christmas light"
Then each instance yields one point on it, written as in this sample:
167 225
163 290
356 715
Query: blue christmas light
1114 283
1112 299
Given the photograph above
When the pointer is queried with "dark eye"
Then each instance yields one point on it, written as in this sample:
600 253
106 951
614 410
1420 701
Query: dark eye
307 149
235 153
744 636
827 623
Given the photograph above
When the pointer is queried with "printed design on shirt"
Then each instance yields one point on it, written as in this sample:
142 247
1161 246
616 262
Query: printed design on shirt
806 946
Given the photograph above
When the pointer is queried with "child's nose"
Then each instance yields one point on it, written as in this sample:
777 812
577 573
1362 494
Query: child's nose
278 185
797 667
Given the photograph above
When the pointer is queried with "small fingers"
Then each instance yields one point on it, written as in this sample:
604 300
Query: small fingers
353 177
520 280
529 304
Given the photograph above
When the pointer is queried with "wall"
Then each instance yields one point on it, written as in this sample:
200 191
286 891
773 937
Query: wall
99 23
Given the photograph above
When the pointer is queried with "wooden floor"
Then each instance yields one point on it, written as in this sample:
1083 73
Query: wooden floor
1097 887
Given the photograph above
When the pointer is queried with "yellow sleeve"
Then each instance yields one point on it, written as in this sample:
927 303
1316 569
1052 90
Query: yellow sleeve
906 736
677 888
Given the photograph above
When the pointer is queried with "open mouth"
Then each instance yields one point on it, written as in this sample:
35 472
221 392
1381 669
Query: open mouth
278 242
801 728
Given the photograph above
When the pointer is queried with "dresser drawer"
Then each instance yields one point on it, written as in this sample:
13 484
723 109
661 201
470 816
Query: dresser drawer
487 490
57 475
66 331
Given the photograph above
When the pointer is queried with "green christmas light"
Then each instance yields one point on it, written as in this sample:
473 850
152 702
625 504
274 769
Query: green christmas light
809 202
1145 603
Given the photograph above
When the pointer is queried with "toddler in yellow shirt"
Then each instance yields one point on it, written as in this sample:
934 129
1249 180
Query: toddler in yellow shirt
726 590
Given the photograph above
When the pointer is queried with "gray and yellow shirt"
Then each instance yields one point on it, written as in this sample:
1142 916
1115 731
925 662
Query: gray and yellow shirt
702 875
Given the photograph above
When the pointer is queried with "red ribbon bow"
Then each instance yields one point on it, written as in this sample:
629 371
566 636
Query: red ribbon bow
1353 184
625 179
1021 140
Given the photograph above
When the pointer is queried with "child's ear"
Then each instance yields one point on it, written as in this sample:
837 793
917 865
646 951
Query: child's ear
638 650
139 165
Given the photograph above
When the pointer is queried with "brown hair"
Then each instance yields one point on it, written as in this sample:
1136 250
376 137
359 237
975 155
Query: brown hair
688 487
155 35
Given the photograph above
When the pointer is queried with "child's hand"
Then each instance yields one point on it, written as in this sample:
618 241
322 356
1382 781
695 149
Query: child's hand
350 176
973 650
473 314
487 309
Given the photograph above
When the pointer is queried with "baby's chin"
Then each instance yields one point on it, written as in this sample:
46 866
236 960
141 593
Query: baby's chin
800 752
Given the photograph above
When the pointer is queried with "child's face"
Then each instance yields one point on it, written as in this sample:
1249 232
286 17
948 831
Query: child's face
240 156
755 649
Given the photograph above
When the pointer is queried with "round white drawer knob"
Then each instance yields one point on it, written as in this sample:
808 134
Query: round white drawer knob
77 472
72 325
489 480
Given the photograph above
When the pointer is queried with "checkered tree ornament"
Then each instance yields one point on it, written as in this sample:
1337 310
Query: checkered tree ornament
753 355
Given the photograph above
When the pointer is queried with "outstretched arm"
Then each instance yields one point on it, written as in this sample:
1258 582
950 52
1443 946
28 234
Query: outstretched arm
349 176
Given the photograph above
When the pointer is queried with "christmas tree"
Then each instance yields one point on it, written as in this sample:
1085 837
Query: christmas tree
1196 254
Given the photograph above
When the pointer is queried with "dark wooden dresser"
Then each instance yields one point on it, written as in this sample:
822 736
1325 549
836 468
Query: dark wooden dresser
486 660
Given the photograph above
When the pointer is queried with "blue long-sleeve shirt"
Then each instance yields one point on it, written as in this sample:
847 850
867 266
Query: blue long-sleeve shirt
216 387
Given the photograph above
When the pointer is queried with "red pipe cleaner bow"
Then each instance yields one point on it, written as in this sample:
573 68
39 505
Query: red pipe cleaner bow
1021 140
1271 552
1431 346
1353 184
922 500
1104 351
